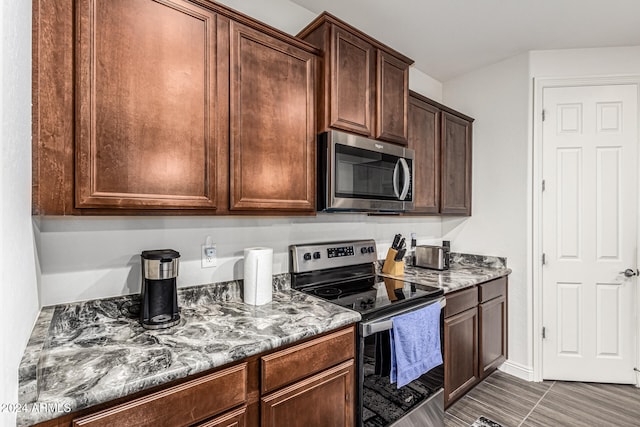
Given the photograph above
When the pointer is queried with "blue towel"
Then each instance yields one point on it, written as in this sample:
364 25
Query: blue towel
415 344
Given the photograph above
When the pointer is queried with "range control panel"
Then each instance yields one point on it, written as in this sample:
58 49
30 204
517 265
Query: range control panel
320 256
340 251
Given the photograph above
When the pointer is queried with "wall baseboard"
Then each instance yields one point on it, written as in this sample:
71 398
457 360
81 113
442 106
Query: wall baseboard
517 370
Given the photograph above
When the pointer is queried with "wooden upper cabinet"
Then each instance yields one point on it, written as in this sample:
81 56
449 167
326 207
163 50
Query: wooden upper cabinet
272 110
352 81
365 84
392 98
145 105
441 139
456 165
424 139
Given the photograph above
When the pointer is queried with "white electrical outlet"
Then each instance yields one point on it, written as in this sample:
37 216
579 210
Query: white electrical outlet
209 256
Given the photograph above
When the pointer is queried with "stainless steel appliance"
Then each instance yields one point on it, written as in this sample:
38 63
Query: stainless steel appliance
159 298
344 273
433 257
360 174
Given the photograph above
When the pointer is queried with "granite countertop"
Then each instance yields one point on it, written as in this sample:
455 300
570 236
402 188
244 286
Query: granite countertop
465 271
87 353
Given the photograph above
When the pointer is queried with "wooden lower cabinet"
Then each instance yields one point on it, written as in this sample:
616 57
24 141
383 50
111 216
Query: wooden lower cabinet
461 354
310 384
325 399
493 328
181 405
235 418
475 335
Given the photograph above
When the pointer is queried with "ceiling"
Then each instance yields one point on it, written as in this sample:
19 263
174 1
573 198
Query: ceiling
447 38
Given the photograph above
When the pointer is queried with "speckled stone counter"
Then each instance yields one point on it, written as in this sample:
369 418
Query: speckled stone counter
87 353
466 270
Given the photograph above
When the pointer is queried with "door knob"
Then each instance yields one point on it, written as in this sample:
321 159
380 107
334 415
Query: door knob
629 272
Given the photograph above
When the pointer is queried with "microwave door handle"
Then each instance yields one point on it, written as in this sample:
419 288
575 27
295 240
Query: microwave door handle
395 179
407 178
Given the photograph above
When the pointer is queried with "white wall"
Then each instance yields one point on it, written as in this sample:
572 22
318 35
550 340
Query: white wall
85 258
585 62
497 96
425 84
281 14
17 264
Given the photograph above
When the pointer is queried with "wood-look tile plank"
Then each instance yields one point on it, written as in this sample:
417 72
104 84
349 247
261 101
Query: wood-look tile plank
527 390
584 404
499 399
451 421
468 410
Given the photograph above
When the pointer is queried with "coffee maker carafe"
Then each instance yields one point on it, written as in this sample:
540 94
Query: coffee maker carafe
159 297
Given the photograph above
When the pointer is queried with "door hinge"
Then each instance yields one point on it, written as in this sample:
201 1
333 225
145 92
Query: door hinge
544 332
544 258
543 115
544 185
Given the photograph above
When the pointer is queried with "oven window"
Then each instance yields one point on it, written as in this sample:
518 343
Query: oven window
382 402
365 174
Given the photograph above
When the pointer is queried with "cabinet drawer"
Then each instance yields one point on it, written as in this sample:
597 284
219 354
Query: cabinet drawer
493 289
300 361
181 405
460 301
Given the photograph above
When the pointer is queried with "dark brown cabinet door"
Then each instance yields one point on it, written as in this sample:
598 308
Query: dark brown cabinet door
272 109
456 165
460 354
424 139
392 98
325 399
237 418
493 334
145 105
352 82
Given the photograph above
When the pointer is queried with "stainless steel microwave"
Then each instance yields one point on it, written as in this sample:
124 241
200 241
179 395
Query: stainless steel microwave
363 175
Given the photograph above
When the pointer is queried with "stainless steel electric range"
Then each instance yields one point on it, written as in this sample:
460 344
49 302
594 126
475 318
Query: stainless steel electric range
344 273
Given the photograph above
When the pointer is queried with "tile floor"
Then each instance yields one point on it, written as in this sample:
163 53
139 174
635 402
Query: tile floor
514 402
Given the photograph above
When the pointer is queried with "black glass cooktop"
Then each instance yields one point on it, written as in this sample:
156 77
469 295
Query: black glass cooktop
373 294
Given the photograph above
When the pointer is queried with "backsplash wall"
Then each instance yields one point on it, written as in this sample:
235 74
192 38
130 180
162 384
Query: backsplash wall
85 258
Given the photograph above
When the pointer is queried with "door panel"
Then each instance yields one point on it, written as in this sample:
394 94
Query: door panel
424 139
392 99
353 82
456 165
273 123
590 139
145 105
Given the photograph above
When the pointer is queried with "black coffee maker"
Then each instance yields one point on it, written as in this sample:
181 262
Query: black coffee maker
159 302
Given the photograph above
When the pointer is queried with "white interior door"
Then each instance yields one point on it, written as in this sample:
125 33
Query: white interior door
589 236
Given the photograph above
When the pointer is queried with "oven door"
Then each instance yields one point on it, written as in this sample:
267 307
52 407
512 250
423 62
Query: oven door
366 175
381 403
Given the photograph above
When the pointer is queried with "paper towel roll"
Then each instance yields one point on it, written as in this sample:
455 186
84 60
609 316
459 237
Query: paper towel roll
258 280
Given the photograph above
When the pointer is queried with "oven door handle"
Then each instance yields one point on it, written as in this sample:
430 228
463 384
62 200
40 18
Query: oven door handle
386 323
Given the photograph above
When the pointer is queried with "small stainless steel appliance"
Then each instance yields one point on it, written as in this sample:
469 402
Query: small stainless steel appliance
159 298
344 273
360 174
433 257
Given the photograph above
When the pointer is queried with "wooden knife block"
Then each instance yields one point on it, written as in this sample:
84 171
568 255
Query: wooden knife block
395 268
